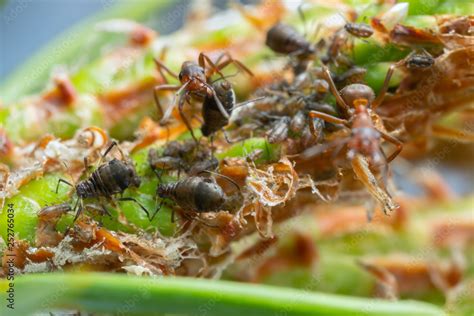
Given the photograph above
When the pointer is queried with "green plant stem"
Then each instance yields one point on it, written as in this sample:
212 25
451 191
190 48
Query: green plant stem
112 293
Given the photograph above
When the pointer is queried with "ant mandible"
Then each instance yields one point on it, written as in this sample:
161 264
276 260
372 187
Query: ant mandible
194 84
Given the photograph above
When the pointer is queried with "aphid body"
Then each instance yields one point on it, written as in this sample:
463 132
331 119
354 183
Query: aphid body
111 178
284 39
213 118
198 194
361 30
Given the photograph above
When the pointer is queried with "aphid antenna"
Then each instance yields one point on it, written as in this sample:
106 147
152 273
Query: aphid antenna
63 180
223 177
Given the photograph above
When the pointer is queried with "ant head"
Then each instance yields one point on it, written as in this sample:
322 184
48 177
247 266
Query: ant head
190 72
356 94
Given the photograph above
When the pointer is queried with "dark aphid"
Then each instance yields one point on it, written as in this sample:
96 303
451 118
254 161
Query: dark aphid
298 122
198 194
179 149
110 179
354 74
284 39
279 132
198 167
419 61
213 118
165 162
194 84
361 30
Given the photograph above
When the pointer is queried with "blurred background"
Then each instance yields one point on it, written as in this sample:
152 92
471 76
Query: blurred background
26 25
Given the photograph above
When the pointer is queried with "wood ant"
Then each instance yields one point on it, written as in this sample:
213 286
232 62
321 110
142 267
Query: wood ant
358 103
110 179
194 79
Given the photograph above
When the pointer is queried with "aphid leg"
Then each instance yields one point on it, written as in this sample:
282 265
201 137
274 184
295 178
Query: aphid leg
167 87
107 151
63 181
79 207
86 166
334 90
221 65
131 199
157 210
222 176
394 141
185 120
161 66
228 140
211 138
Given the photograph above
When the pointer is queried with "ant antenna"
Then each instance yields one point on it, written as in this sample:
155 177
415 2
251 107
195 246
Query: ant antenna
222 176
226 76
303 18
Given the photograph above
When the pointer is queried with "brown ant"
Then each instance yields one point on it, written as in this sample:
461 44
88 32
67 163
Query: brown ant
111 178
194 84
357 102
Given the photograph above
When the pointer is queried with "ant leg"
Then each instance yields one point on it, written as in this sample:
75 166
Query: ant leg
79 204
164 87
161 66
63 181
185 120
218 102
452 134
394 141
386 83
203 58
334 90
238 64
328 118
303 19
130 199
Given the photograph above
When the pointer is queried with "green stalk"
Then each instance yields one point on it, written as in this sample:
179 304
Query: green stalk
108 293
